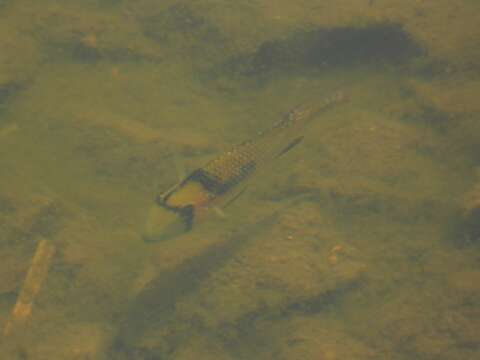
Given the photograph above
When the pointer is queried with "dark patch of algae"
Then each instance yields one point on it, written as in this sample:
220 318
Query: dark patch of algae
361 244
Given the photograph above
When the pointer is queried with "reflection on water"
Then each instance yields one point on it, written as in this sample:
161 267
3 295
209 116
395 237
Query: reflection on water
359 244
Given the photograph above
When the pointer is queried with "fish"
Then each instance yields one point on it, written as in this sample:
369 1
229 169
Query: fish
221 181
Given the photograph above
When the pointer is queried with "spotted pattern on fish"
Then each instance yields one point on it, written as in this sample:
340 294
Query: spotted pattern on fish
220 176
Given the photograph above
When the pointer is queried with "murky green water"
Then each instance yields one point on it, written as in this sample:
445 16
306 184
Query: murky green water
361 243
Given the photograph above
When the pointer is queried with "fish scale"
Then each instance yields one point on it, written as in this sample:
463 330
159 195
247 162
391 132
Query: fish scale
238 163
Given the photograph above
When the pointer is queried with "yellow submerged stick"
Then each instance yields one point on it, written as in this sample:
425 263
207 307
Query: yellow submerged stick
37 273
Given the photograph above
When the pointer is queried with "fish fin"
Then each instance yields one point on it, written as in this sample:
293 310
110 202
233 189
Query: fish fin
187 214
220 213
290 146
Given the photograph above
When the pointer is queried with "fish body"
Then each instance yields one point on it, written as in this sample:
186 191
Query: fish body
224 178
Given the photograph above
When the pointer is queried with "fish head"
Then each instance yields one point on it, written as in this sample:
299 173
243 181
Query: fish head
173 212
165 223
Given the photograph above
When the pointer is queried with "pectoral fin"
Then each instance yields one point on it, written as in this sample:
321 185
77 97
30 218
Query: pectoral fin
290 146
220 213
187 214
